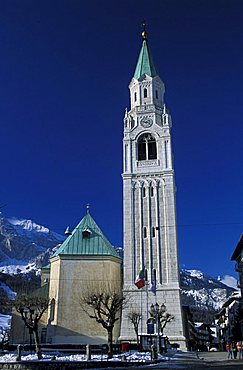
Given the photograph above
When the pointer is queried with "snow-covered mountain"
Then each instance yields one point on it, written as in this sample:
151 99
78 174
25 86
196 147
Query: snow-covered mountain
25 245
202 292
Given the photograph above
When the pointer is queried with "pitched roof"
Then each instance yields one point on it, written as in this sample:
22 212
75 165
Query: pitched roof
86 239
42 292
145 64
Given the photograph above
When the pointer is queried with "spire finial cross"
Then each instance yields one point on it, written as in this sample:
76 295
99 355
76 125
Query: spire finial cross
87 207
144 33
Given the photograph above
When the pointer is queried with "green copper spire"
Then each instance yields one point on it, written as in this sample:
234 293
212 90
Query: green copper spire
145 64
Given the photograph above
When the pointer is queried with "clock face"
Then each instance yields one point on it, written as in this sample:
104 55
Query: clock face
146 122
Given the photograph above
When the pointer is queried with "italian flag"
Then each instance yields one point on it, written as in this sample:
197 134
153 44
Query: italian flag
140 279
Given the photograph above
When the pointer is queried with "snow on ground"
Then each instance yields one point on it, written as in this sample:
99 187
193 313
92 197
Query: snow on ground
130 356
5 322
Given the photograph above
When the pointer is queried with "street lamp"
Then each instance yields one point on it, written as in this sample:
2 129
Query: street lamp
155 311
157 325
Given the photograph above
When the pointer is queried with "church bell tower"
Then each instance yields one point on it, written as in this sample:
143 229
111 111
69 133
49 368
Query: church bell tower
149 213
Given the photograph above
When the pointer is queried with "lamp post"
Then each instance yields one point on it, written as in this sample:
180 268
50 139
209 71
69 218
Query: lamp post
157 325
155 311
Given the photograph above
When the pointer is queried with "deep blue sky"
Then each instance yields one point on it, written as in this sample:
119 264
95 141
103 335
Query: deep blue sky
65 67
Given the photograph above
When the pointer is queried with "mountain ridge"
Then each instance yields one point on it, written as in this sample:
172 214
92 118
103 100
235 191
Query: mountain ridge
26 246
24 240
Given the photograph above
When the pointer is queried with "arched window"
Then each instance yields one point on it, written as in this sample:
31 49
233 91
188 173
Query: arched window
135 96
154 276
52 309
151 191
145 232
153 232
156 94
147 147
145 93
144 192
145 274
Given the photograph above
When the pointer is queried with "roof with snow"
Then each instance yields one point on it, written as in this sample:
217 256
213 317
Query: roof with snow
87 239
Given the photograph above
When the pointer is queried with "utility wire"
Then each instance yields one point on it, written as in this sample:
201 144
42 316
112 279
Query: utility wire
178 225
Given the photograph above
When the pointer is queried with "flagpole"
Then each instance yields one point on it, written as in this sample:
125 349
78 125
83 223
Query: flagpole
140 283
147 300
141 310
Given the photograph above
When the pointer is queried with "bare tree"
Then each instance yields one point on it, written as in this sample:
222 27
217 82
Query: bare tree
104 305
135 318
160 313
31 309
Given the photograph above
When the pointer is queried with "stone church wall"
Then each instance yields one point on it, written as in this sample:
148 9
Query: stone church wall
70 278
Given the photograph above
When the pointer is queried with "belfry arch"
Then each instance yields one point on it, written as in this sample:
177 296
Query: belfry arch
146 147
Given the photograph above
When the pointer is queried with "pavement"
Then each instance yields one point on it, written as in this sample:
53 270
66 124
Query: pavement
178 360
183 361
202 361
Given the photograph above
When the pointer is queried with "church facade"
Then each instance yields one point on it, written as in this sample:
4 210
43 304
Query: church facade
149 211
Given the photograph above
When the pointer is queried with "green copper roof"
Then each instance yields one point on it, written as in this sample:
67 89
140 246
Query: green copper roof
41 292
145 64
86 239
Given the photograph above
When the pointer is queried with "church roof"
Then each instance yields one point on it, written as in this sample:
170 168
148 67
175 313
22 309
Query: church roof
42 292
86 239
145 64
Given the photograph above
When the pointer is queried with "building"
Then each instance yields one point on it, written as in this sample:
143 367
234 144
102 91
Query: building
85 261
230 318
237 256
189 328
226 320
204 337
19 333
149 211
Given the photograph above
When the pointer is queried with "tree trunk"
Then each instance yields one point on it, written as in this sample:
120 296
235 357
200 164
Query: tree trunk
136 331
37 343
110 349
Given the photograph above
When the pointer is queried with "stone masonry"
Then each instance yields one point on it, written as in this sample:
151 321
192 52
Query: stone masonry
149 211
